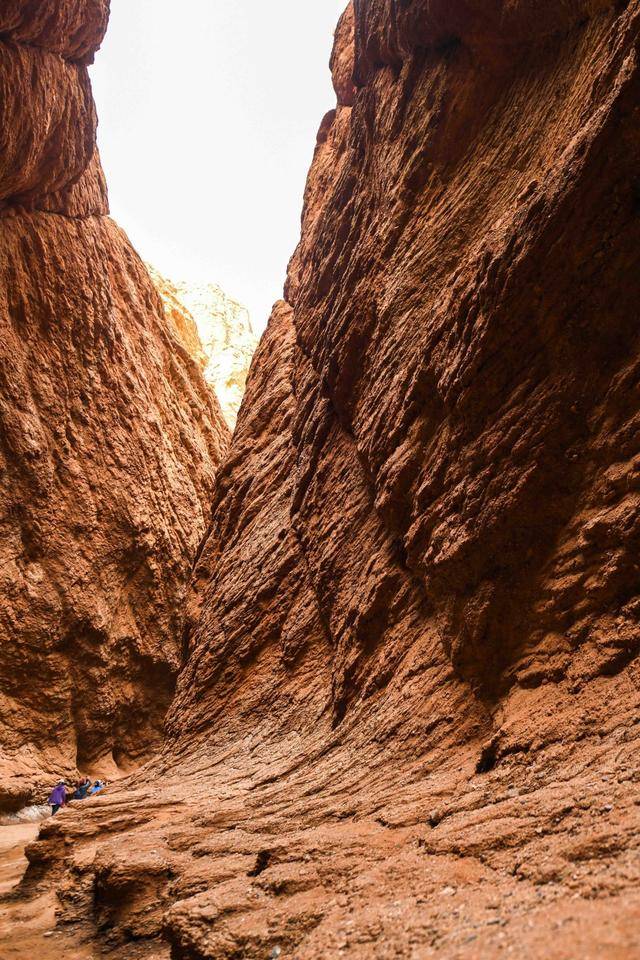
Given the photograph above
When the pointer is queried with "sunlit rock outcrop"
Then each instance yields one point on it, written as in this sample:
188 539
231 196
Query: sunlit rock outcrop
407 723
216 331
109 437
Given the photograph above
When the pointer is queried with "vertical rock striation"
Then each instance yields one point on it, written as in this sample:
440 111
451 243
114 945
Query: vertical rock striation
465 346
109 437
407 722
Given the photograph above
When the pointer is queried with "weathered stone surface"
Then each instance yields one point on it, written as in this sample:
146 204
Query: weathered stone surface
217 332
407 725
74 29
109 436
47 126
48 155
342 59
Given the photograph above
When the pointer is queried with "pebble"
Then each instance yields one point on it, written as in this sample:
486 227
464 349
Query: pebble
448 891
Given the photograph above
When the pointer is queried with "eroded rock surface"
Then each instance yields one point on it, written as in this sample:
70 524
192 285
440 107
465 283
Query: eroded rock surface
408 722
109 437
216 331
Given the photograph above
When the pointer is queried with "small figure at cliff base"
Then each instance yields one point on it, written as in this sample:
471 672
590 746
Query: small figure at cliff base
57 797
82 789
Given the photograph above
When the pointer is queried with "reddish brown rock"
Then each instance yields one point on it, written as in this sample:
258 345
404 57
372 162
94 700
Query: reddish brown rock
407 725
342 59
48 123
72 28
109 437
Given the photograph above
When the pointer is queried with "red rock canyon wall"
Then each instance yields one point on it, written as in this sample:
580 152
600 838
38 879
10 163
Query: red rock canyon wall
109 437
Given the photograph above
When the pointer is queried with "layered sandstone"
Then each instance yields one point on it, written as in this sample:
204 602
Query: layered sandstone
217 332
109 437
407 724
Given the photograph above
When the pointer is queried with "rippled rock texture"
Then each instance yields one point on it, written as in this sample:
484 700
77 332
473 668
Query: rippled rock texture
407 725
109 437
217 332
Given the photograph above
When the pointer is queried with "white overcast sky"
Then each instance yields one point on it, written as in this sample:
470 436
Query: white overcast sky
208 114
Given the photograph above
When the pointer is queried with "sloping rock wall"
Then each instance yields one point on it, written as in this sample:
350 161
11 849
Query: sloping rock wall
109 437
465 348
407 724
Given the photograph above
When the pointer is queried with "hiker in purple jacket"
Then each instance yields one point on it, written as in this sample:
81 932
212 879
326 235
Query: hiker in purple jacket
58 797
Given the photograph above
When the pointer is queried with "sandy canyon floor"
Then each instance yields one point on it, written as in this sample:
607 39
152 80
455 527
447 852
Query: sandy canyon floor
27 928
260 854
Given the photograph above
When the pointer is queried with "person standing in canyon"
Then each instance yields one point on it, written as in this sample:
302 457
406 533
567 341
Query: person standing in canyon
82 789
58 797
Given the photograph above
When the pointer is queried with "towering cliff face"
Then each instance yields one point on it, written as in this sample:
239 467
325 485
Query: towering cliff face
217 332
407 725
463 368
109 437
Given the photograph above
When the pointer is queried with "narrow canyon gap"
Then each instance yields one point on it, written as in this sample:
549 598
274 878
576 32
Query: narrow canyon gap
407 724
